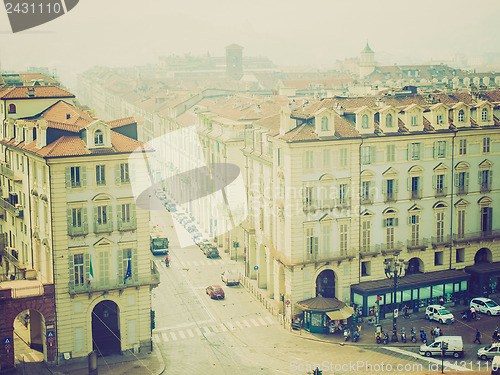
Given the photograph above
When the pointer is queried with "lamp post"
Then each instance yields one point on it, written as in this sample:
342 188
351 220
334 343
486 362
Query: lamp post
394 268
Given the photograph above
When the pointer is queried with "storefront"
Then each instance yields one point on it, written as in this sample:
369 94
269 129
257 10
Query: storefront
318 312
415 290
484 279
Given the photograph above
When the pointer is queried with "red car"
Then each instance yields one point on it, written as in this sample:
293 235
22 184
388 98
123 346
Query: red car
215 292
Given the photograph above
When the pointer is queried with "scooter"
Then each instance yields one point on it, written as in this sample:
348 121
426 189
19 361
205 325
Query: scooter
403 335
347 335
413 336
385 340
496 336
355 336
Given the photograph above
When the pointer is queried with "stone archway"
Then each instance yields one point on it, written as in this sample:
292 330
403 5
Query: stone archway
106 328
483 255
325 284
29 337
415 265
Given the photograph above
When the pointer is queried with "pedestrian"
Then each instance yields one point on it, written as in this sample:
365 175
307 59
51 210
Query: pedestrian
473 313
478 337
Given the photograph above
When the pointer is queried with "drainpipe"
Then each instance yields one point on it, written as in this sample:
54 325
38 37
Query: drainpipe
360 235
452 193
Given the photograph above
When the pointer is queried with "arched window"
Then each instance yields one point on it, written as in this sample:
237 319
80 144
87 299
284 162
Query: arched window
388 120
324 123
461 115
12 108
364 122
98 137
484 114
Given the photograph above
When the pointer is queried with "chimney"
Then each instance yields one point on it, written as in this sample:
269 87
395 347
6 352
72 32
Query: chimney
41 134
19 124
29 133
286 122
31 92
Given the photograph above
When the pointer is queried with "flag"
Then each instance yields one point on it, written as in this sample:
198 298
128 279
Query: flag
91 272
129 271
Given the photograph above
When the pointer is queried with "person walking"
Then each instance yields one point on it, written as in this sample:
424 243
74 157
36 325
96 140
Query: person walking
478 337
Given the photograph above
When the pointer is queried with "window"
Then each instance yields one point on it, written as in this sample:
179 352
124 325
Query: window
75 177
390 190
366 235
486 219
462 149
324 124
440 227
367 154
484 114
439 119
78 269
414 120
127 259
440 187
124 174
415 187
388 120
326 158
100 174
343 230
343 157
414 230
365 192
414 151
364 122
12 108
102 218
312 242
440 149
308 196
125 213
365 268
325 240
98 138
461 115
309 159
391 153
486 145
460 224
342 194
76 217
462 182
438 258
485 178
460 255
389 224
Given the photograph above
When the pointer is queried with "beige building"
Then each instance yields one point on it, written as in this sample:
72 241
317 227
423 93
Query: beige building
81 229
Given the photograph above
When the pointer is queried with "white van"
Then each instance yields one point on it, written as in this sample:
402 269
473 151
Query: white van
230 277
455 346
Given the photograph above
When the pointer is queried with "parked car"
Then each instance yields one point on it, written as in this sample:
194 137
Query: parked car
210 251
455 346
485 306
489 352
439 314
215 292
200 242
230 277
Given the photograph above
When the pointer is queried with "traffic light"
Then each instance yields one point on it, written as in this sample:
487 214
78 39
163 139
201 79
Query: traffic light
317 371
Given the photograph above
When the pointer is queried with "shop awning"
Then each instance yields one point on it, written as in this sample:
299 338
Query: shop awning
341 314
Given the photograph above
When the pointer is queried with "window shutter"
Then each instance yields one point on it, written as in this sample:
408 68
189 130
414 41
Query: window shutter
95 218
445 181
384 223
420 183
395 185
489 212
479 180
84 220
117 174
419 147
456 179
68 177
119 216
83 176
408 183
132 215
70 220
396 221
434 181
134 265
71 266
467 179
408 154
445 148
372 154
121 273
490 179
435 151
384 186
109 217
86 263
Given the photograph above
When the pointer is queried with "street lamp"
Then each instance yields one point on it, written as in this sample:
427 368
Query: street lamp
394 268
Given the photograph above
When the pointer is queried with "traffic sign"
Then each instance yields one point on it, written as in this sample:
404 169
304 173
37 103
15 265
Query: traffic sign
287 302
7 340
50 340
7 347
256 268
50 333
395 313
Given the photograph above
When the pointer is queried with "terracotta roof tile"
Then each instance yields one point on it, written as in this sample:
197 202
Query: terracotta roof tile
270 122
427 126
21 92
29 77
122 122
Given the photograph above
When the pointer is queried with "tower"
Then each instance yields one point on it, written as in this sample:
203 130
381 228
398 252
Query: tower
366 61
234 61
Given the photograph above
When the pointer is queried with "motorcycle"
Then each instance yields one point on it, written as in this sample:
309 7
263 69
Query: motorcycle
347 335
355 336
423 336
413 336
496 336
386 338
403 335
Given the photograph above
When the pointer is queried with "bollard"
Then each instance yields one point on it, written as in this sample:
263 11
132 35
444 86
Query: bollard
92 362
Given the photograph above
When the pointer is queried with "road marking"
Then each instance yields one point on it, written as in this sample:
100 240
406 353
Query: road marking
198 331
254 322
207 331
190 333
165 337
157 339
239 325
223 327
247 324
262 321
181 334
215 329
230 326
199 322
269 319
433 360
172 334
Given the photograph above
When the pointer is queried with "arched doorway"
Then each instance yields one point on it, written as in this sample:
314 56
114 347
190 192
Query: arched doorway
29 340
483 255
106 328
325 284
415 265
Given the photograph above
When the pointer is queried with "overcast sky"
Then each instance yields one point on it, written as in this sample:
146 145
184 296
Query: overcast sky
289 32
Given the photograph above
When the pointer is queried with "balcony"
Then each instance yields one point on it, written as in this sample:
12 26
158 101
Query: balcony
367 199
78 231
8 172
369 251
103 228
127 225
388 248
390 197
416 194
477 236
440 241
440 192
27 283
16 210
485 187
152 279
461 190
417 244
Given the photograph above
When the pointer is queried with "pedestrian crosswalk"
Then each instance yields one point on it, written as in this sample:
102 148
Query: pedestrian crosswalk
208 330
176 263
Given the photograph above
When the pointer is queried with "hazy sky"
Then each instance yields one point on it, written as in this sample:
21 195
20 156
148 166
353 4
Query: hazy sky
289 32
